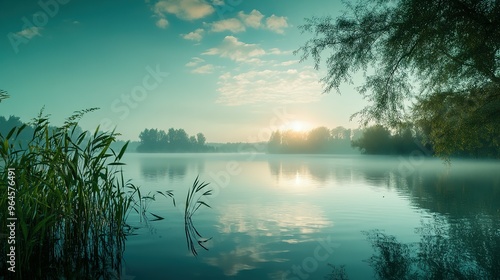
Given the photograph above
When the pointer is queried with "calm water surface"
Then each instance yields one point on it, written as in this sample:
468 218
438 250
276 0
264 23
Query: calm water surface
318 217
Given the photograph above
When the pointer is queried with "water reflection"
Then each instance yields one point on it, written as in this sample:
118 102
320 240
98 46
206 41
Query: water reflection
318 171
459 239
303 172
260 229
457 195
466 250
172 168
265 234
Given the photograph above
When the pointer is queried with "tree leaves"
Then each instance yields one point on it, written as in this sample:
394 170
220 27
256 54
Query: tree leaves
411 48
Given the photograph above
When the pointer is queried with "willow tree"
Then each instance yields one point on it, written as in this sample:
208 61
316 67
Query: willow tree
433 52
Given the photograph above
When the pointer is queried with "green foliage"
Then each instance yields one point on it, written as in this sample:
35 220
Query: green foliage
445 52
463 124
378 140
375 140
445 44
71 200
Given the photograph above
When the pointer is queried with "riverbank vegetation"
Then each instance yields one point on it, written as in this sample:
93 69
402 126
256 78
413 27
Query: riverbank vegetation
71 200
67 200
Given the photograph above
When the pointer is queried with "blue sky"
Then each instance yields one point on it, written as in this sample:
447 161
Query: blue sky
224 68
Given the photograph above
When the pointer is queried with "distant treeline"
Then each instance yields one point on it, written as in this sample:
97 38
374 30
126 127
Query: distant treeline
320 140
7 124
174 140
376 139
26 135
371 140
178 141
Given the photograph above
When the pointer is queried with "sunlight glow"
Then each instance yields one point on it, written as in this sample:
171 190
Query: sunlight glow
297 126
297 181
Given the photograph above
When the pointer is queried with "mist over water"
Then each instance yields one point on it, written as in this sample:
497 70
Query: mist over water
292 216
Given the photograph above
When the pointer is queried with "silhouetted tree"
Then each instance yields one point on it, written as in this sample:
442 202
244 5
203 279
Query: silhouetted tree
26 134
447 52
274 144
318 140
151 140
294 142
7 124
375 140
201 139
175 140
192 142
404 142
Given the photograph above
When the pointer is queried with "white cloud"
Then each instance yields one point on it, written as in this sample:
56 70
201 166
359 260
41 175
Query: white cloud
276 24
183 9
232 24
287 63
218 2
205 69
269 86
195 61
162 23
196 35
253 19
30 32
237 50
274 51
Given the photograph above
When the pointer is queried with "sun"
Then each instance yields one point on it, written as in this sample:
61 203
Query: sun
297 126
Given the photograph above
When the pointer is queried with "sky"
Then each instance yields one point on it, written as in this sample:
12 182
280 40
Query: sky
225 68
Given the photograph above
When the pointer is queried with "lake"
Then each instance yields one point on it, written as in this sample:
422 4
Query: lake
317 217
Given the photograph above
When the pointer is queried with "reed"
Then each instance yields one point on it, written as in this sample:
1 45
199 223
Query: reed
71 201
194 200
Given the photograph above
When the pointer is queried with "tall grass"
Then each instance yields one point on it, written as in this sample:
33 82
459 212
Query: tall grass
71 201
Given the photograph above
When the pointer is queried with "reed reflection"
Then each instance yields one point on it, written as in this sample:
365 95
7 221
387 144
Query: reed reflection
466 250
